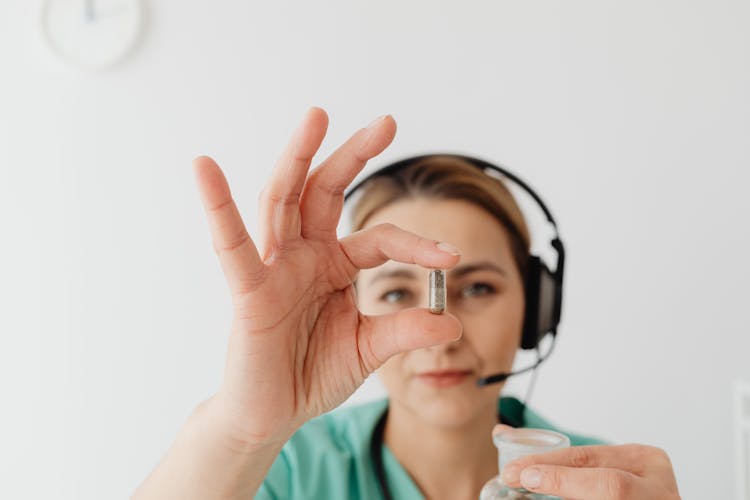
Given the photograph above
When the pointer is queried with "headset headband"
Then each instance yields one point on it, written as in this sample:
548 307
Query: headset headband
473 161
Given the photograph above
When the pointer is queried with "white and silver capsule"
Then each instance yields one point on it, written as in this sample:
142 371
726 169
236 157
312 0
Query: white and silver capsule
437 291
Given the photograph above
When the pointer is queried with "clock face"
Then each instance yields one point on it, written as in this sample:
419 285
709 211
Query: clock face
93 34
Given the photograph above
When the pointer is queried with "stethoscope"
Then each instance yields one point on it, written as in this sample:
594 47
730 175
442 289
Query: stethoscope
376 455
376 452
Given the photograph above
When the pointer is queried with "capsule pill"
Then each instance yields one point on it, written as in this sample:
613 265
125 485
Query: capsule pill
437 291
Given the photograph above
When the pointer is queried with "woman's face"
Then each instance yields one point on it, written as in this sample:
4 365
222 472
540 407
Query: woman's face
484 291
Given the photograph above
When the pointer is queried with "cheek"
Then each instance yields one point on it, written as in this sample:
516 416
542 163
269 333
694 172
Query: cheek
495 348
496 334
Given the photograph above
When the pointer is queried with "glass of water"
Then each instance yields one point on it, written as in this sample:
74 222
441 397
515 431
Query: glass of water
516 443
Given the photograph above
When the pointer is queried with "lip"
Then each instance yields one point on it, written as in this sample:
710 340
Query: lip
443 378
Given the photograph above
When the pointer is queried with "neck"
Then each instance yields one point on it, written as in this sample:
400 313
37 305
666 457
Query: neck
445 462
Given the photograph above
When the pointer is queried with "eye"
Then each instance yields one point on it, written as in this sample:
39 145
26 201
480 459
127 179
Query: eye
395 296
477 290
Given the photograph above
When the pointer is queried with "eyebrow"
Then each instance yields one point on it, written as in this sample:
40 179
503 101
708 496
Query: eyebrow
395 273
456 272
485 265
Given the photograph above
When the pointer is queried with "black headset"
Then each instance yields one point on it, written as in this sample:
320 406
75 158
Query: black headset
543 287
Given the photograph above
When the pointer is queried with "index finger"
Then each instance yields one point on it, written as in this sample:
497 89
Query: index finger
632 458
373 246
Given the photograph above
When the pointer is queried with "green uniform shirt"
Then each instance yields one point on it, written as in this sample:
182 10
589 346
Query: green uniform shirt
329 456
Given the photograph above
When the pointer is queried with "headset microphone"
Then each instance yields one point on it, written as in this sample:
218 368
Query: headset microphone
503 376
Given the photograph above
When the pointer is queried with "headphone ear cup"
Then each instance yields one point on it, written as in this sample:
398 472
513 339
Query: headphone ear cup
543 301
530 333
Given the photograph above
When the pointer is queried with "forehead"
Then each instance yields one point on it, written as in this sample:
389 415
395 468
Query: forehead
470 228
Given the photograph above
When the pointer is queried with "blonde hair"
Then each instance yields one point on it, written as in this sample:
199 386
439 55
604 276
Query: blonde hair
447 177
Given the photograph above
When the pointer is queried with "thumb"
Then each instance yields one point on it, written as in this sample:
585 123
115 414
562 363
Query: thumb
380 337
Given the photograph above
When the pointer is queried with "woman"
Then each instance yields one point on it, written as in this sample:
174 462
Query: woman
303 339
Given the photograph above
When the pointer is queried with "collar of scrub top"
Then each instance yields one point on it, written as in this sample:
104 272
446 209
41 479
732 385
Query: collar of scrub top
513 417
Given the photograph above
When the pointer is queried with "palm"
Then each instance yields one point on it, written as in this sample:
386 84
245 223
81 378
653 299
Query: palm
333 363
308 303
299 346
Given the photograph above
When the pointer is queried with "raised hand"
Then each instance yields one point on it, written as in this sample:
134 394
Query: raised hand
298 345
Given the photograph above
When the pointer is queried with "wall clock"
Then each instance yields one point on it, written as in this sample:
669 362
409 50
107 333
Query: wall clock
92 34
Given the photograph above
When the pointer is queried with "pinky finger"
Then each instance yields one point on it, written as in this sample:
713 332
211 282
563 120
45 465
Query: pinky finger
242 266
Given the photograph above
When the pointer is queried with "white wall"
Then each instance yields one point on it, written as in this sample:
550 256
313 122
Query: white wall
632 118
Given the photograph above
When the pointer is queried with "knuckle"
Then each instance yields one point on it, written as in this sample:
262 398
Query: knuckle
300 155
552 479
369 357
634 450
617 485
357 152
384 233
232 243
425 243
327 187
581 456
284 199
221 206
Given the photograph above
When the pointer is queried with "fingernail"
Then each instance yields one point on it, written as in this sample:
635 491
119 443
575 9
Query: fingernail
510 473
460 334
369 132
375 122
445 247
531 478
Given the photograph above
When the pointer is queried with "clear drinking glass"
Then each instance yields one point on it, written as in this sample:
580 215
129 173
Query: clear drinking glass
515 443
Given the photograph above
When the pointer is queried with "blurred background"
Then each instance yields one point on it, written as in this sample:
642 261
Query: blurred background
632 119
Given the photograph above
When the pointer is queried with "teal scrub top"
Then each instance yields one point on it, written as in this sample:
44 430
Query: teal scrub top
329 456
